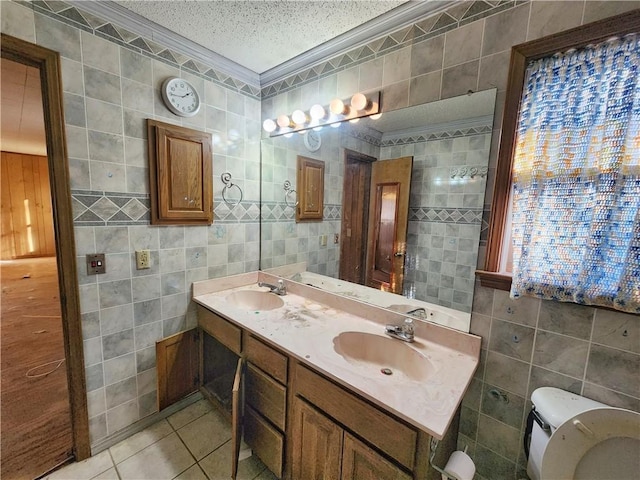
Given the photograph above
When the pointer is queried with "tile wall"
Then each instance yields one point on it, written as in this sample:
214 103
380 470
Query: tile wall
110 87
527 343
445 216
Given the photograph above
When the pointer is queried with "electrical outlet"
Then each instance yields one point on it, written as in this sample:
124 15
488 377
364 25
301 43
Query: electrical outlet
143 259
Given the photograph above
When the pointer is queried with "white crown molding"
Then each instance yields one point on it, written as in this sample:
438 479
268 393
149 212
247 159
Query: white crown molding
117 14
384 24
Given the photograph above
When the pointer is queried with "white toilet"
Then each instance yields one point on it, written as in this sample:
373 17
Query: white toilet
573 437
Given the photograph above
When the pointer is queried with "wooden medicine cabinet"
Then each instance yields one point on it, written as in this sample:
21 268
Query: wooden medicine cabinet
180 175
310 186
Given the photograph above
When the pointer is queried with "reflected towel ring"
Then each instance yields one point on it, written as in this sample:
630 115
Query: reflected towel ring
228 184
288 191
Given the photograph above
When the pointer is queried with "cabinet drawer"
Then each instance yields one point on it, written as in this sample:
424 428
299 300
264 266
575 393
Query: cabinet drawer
222 330
266 395
265 440
269 360
389 435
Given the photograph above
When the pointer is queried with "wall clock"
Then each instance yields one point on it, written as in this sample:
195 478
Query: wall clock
180 97
312 140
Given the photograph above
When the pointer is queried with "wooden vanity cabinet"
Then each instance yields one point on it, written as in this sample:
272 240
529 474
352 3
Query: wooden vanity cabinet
266 402
303 425
331 426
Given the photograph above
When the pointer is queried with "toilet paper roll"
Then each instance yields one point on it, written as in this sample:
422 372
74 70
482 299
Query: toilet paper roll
460 466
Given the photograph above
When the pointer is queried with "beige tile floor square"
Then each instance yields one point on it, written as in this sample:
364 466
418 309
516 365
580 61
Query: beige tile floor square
192 444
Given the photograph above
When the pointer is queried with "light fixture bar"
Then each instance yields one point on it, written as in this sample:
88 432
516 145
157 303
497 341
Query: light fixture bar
337 111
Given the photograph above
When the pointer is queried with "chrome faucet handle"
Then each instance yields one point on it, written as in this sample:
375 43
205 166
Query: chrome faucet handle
408 327
282 288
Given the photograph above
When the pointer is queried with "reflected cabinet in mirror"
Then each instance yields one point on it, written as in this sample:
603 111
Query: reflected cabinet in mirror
403 204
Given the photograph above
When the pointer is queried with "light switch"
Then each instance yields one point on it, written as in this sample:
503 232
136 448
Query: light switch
95 263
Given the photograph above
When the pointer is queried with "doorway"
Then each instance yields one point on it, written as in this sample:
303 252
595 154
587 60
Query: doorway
355 214
43 408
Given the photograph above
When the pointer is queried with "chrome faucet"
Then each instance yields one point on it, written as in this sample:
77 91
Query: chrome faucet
404 332
281 289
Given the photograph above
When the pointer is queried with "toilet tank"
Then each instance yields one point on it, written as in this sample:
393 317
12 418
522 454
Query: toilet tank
557 406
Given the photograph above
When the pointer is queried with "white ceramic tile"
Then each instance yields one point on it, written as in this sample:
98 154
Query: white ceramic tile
139 441
217 465
164 459
193 473
110 474
85 469
189 414
206 434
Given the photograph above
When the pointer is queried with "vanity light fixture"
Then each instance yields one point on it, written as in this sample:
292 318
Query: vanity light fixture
358 106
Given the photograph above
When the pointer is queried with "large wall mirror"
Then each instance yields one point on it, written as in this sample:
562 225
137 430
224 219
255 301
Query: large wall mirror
403 203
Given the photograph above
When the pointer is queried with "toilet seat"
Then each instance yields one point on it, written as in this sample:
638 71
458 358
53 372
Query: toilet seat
597 444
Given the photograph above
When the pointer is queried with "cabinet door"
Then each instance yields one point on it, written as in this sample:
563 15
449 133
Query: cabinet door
360 462
317 444
180 173
177 361
236 418
310 189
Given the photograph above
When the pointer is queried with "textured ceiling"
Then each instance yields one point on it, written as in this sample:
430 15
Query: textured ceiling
261 34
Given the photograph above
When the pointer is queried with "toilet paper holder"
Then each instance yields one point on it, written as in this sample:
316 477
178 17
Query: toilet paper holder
447 475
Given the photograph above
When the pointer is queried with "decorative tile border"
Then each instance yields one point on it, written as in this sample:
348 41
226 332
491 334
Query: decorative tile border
436 136
279 212
373 137
454 17
96 208
429 27
470 216
78 18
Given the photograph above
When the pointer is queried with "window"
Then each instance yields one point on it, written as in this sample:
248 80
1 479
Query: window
545 128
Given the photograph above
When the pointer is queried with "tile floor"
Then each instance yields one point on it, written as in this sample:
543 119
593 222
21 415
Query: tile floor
192 444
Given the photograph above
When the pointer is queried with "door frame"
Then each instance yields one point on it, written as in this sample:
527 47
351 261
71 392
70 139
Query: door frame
48 63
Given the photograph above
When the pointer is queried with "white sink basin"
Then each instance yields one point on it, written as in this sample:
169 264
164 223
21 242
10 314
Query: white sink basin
378 356
254 300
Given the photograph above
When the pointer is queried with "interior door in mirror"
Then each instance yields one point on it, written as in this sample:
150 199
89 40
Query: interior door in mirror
388 218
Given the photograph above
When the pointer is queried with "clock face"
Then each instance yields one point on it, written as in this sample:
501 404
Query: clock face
312 140
180 97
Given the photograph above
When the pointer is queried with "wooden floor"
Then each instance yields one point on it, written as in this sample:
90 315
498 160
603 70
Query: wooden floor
35 416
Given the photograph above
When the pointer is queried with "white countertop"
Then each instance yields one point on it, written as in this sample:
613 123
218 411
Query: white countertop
305 328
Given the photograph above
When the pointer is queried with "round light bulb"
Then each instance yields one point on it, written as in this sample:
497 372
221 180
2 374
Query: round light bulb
335 125
269 125
298 117
359 101
317 112
288 135
283 121
354 120
371 107
337 106
376 116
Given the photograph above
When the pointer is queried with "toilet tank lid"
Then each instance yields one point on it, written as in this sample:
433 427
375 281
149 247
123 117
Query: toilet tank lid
557 406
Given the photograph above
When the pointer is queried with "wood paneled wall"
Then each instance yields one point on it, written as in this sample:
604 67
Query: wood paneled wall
27 221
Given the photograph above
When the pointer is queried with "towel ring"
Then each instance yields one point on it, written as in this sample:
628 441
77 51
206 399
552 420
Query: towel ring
228 185
288 191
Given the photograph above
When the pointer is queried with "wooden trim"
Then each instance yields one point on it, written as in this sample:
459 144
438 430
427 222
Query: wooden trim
48 62
521 55
495 280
